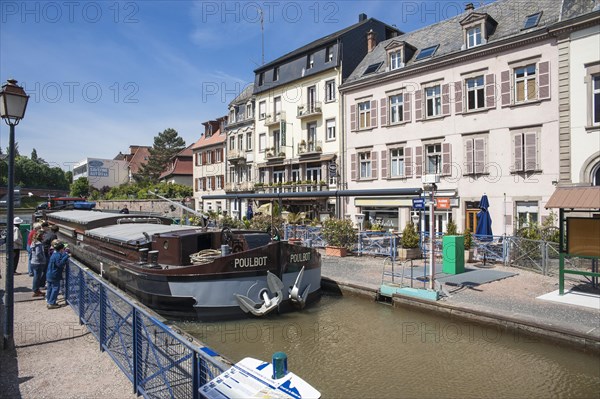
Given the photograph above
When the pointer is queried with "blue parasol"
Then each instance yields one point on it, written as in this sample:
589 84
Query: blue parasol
249 213
484 220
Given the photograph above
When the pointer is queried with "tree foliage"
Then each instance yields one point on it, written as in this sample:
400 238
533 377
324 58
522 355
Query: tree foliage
140 191
81 187
34 174
166 145
339 233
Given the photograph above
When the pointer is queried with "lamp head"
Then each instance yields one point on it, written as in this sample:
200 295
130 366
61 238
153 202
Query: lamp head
13 102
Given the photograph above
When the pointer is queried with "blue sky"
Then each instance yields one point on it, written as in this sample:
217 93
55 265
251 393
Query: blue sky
104 75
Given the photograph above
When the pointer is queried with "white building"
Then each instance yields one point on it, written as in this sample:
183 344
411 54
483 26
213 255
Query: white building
102 172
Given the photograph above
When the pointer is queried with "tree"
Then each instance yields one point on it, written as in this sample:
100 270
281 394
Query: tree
80 187
166 145
35 158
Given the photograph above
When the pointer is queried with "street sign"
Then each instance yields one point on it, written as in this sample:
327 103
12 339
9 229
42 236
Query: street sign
418 203
442 203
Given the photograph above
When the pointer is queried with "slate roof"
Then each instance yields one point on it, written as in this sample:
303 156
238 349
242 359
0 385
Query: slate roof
244 96
510 16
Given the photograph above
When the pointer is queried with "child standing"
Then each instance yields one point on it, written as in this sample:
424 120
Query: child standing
38 262
58 261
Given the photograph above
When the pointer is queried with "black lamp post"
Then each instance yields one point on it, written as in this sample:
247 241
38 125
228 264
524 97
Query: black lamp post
13 102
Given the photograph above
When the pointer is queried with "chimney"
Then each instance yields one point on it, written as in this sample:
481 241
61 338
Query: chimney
469 7
371 40
362 17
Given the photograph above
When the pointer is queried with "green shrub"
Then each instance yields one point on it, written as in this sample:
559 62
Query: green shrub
468 239
451 229
339 233
410 238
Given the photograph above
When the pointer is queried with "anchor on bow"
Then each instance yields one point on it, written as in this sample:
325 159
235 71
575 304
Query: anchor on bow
299 299
269 303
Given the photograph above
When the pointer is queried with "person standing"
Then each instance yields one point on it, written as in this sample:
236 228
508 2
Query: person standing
38 262
56 266
18 243
49 236
32 233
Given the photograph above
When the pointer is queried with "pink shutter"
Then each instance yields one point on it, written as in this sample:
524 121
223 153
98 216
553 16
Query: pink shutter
490 90
383 111
530 152
479 156
352 166
373 113
419 161
458 97
446 159
469 156
408 162
406 105
518 153
544 80
353 117
374 165
384 174
418 105
446 99
505 87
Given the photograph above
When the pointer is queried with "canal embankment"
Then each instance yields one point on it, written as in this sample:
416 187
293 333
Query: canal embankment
509 304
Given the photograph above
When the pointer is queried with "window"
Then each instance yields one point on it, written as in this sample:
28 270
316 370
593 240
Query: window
525 89
310 61
433 100
248 173
249 112
296 174
474 36
199 185
433 159
278 176
232 143
364 115
395 60
262 176
329 54
248 141
313 174
397 162
261 78
372 68
527 213
396 108
275 74
330 91
330 126
276 141
241 142
262 142
218 155
596 100
475 93
262 110
311 135
209 185
365 165
532 20
209 157
311 94
525 151
475 155
218 181
426 52
276 107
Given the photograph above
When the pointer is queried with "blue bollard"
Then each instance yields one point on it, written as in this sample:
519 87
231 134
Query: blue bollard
279 365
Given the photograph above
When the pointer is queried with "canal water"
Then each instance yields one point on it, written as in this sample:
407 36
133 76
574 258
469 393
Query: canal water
349 347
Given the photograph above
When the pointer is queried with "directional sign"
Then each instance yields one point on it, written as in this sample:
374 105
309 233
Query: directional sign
283 132
442 203
418 203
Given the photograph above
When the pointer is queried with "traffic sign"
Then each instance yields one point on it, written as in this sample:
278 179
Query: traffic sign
418 203
442 203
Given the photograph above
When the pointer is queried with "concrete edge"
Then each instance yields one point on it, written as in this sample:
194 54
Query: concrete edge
518 326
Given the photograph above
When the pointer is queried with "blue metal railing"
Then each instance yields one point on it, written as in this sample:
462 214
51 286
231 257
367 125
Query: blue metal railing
159 362
377 243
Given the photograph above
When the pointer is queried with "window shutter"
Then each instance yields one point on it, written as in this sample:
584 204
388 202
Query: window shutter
469 155
222 181
384 160
458 97
518 152
204 184
446 99
353 117
530 151
406 105
196 184
203 158
418 105
544 80
374 165
408 163
213 158
479 155
212 182
490 90
373 113
505 87
383 111
221 159
446 159
352 166
419 161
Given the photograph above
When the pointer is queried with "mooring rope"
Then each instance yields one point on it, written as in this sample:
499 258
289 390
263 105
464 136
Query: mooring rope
204 256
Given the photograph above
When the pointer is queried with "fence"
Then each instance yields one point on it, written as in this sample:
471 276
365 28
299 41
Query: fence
159 362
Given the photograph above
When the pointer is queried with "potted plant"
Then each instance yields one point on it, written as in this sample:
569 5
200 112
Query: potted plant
468 242
339 235
410 243
295 219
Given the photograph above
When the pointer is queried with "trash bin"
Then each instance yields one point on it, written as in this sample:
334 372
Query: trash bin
24 229
453 251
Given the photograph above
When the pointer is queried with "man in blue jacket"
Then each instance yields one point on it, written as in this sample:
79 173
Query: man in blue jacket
56 266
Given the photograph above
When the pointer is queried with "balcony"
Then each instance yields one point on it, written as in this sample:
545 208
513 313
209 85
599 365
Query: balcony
291 187
237 187
236 155
272 154
309 110
274 119
238 121
310 148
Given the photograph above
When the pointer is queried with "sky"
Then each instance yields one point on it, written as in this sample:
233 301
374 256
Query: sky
104 75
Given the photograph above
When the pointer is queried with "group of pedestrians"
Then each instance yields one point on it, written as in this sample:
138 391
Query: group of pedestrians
46 261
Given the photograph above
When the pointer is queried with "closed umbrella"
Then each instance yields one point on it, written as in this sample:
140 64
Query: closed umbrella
249 213
484 220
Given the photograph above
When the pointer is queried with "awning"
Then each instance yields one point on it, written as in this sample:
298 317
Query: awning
575 198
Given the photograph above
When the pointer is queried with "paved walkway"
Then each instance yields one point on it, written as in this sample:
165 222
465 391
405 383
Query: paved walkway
511 298
54 357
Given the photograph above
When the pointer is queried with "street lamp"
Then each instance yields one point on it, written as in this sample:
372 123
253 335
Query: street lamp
13 102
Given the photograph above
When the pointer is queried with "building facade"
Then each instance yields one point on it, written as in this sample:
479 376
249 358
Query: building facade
473 100
180 168
102 172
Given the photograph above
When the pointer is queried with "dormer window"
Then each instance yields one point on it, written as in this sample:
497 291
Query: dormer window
310 61
532 20
275 74
261 78
329 54
395 60
426 52
474 36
